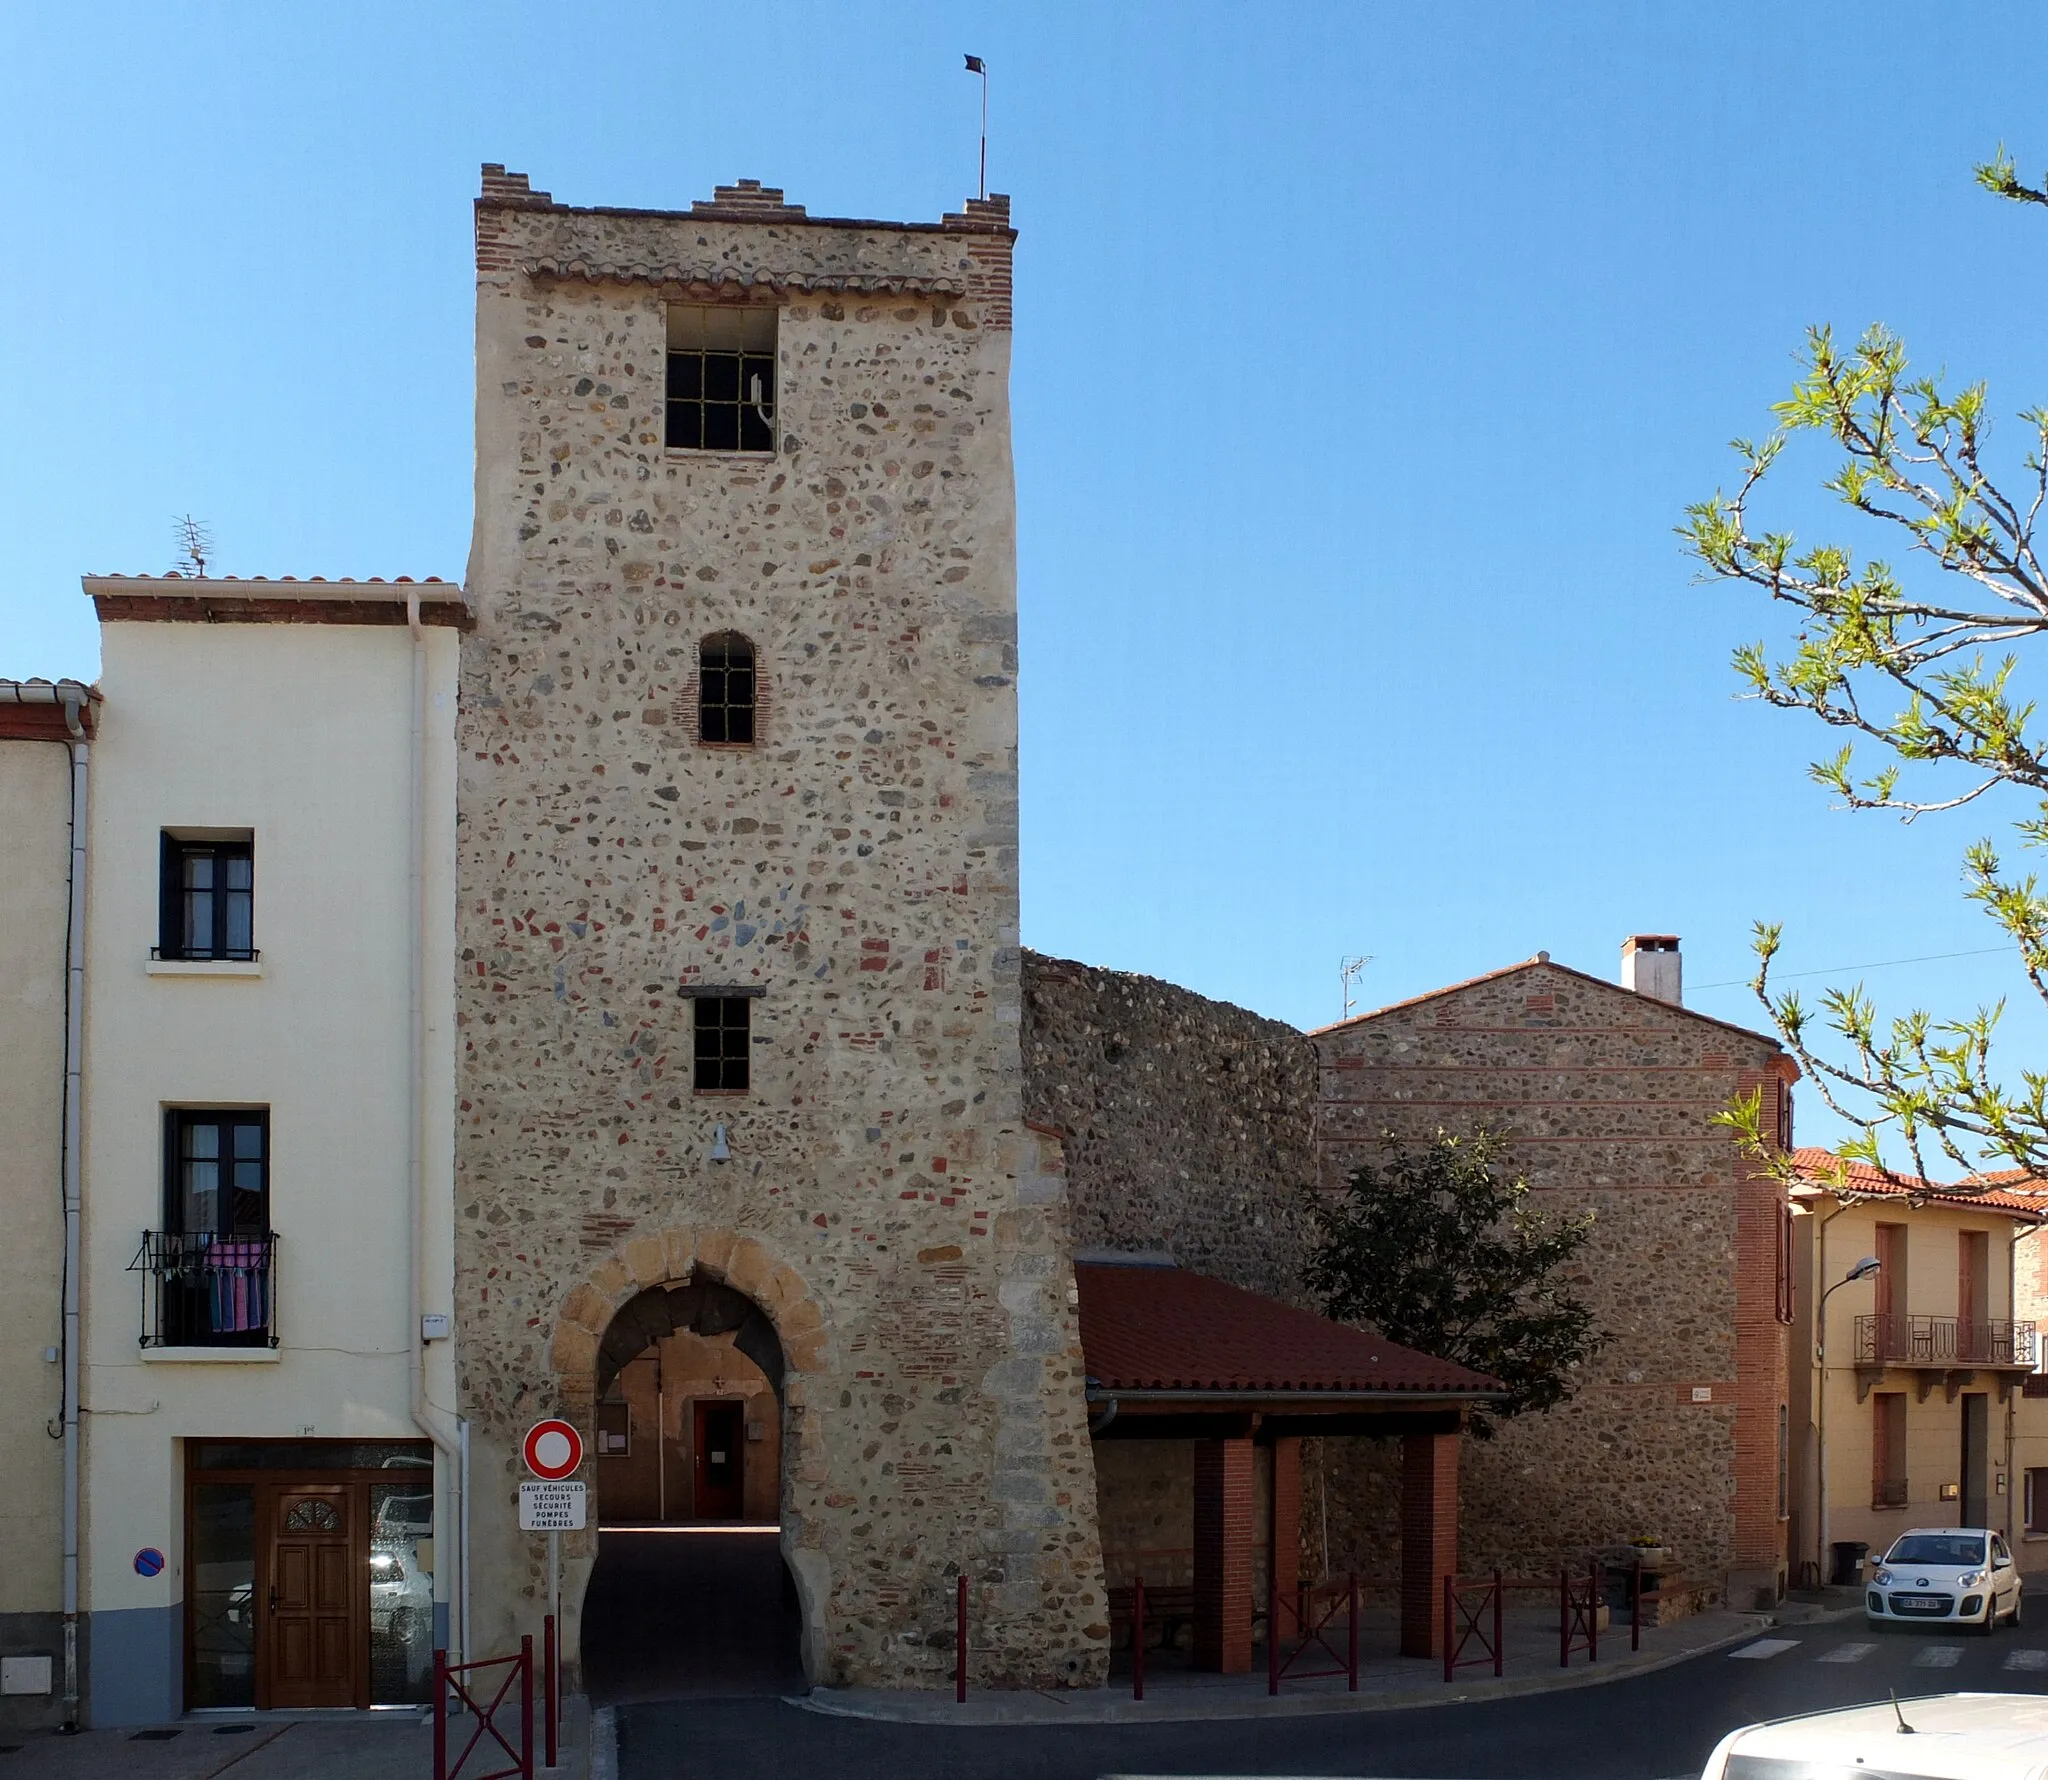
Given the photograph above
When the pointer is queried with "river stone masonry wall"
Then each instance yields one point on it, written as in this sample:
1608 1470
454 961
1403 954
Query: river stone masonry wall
1609 1099
884 1202
1188 1124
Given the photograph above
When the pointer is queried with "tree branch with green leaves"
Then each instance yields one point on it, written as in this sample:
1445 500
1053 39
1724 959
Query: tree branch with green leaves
1436 1248
1919 661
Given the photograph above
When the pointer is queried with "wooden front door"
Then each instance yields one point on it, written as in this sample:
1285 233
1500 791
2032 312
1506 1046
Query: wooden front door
316 1643
719 1429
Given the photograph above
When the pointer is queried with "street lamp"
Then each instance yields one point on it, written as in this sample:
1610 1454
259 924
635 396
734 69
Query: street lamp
1866 1268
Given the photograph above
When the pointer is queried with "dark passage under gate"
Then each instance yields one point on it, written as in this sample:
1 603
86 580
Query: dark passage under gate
672 1614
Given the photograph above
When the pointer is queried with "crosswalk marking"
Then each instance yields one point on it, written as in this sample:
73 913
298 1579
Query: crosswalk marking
1939 1656
1845 1653
2026 1659
1765 1647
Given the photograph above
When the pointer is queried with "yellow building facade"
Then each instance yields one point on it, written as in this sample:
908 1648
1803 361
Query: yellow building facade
1913 1409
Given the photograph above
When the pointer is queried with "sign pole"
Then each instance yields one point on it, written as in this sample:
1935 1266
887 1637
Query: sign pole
555 1575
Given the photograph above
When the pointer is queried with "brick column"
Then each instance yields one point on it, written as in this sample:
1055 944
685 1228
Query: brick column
1429 1537
1223 1556
1285 1550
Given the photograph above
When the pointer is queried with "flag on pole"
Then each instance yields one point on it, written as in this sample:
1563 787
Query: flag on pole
974 65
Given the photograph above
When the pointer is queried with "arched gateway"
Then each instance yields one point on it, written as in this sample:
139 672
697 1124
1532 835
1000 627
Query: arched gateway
682 1356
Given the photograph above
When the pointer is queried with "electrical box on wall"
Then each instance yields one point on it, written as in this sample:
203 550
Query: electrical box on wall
24 1674
434 1327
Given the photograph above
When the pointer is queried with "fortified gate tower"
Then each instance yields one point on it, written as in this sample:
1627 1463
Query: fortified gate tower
740 1121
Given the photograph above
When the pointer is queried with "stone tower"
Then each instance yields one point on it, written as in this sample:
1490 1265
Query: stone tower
739 969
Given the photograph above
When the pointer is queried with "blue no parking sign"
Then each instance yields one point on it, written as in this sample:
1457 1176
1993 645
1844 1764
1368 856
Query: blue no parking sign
149 1561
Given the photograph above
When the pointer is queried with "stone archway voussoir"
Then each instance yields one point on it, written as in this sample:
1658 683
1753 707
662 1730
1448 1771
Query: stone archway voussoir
646 1259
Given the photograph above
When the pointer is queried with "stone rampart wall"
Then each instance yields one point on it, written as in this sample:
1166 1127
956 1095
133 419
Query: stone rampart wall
1188 1124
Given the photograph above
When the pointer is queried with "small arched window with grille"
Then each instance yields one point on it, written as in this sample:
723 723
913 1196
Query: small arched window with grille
726 690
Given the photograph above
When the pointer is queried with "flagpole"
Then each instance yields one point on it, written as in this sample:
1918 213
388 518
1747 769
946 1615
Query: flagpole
975 65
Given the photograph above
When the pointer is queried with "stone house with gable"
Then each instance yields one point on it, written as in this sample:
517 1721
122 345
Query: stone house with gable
1608 1094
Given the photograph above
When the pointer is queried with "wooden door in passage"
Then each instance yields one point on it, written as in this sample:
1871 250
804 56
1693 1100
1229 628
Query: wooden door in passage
720 1429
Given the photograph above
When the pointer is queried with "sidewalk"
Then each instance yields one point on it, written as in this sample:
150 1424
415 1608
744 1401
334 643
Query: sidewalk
1174 1693
274 1746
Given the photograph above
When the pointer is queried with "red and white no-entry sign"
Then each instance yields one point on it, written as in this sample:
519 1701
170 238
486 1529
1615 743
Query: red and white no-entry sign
553 1450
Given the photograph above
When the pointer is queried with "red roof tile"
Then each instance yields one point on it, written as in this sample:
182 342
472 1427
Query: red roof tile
1819 1166
1163 1329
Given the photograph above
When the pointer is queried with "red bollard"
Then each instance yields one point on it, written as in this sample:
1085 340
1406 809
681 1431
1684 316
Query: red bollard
526 1707
1273 1629
1564 1619
1354 1632
550 1686
960 1660
1593 1611
1498 1592
440 1715
1450 1609
1138 1641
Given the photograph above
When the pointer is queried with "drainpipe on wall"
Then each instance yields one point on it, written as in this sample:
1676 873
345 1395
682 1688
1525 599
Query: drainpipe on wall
2015 1484
449 1433
77 745
1820 1402
74 1197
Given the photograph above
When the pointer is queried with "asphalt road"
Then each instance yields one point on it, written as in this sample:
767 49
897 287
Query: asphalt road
1647 1728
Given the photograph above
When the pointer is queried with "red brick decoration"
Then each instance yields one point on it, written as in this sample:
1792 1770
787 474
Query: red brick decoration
1285 1551
1429 1537
1223 1556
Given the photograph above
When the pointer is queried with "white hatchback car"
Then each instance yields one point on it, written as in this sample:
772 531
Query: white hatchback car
1954 1736
1944 1576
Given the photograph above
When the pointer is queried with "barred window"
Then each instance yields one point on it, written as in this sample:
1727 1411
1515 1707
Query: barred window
721 378
724 1031
725 689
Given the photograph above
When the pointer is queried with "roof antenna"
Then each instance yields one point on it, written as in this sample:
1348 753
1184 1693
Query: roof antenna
1349 971
1905 1729
195 545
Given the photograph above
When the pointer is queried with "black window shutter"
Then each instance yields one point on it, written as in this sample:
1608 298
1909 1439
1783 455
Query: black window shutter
170 903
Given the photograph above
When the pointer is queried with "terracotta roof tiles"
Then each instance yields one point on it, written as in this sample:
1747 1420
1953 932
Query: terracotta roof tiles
1819 1166
1164 1329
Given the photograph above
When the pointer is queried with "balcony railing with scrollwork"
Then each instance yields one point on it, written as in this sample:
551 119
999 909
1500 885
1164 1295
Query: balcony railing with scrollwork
1902 1340
207 1291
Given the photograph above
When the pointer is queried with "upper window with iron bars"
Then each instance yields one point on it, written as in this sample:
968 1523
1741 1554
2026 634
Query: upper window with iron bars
721 378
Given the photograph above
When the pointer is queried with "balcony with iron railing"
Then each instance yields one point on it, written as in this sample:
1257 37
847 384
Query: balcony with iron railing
1950 1342
207 1291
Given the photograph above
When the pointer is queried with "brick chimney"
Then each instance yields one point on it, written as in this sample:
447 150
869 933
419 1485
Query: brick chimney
1650 965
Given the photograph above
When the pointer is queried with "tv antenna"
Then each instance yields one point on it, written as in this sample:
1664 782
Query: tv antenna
195 545
1348 974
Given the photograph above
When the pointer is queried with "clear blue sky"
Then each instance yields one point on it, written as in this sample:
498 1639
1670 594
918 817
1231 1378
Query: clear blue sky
1366 357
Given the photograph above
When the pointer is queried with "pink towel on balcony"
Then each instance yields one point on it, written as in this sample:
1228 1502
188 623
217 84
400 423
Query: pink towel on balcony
238 1281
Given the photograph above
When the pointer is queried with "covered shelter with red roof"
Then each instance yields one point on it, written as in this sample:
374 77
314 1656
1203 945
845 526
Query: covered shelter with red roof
1175 1356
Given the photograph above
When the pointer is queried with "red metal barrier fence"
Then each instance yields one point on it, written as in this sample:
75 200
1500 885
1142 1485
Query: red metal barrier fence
1314 1611
449 1679
960 1655
1468 1608
1578 1616
1138 1638
551 1687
